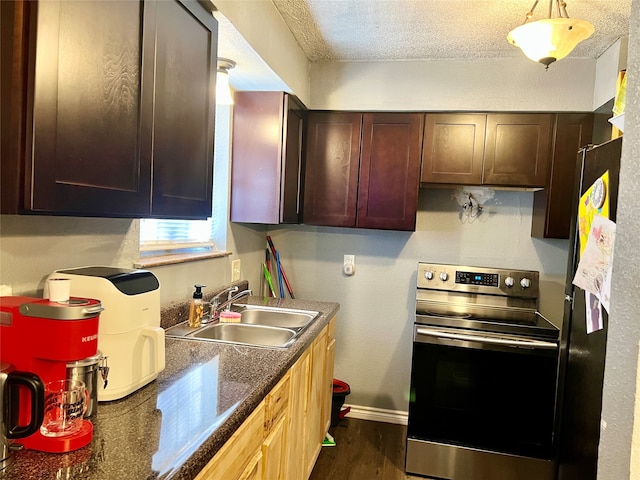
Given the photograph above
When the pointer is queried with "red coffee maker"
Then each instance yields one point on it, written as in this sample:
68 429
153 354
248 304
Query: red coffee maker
40 336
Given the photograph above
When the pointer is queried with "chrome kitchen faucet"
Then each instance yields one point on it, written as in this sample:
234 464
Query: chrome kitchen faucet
217 307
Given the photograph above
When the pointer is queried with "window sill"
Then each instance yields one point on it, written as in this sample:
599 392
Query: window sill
161 260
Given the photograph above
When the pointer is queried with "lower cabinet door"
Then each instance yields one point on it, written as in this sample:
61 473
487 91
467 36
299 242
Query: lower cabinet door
274 452
314 434
296 443
254 469
328 384
238 457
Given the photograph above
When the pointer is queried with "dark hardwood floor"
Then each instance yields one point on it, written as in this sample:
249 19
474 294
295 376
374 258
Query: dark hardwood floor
364 450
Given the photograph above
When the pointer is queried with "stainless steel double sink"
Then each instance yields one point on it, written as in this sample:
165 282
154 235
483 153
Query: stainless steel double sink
259 326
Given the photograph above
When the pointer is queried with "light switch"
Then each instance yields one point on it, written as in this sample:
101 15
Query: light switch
235 270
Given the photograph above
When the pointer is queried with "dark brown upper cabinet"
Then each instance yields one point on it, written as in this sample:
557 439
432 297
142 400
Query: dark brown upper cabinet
186 57
552 207
453 148
331 168
389 171
266 158
362 170
493 149
517 149
118 109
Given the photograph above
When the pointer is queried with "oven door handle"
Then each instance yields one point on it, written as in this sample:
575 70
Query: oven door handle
507 342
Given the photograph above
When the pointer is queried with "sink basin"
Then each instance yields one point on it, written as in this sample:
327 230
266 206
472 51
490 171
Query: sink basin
276 317
259 326
246 334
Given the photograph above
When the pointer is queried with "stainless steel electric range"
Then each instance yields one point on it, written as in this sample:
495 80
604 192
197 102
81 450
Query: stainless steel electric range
483 378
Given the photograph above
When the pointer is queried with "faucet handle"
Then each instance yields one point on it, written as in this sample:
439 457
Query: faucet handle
215 301
232 290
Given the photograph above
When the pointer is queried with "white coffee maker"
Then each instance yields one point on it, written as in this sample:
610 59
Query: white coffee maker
129 336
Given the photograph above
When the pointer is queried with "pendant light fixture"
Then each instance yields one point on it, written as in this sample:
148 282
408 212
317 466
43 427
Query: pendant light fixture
223 89
551 39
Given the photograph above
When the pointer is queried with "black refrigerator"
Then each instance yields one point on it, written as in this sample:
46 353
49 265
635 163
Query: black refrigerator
582 354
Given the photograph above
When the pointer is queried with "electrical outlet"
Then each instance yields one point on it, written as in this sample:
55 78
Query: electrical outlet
349 265
235 270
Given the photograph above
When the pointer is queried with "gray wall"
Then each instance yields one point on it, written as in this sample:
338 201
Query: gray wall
620 380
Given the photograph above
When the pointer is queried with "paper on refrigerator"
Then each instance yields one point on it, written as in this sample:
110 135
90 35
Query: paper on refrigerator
594 202
593 313
594 269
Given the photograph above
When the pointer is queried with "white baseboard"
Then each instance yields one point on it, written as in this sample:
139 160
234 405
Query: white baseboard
378 414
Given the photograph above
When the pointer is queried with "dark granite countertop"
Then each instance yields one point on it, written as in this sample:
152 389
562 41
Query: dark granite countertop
172 427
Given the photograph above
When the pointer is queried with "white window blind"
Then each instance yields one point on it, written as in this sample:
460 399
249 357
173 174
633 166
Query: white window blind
171 236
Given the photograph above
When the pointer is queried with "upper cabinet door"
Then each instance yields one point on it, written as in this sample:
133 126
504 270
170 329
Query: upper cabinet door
115 112
553 206
185 58
453 148
266 152
291 183
332 164
517 149
84 157
389 170
256 157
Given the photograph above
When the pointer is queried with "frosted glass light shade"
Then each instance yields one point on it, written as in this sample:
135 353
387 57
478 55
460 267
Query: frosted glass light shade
223 90
549 40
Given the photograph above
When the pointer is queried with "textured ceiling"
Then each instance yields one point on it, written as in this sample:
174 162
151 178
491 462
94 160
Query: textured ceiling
369 30
366 30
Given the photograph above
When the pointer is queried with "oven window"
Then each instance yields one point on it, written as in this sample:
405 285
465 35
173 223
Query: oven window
492 400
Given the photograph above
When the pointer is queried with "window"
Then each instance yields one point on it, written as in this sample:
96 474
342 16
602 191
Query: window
172 236
164 237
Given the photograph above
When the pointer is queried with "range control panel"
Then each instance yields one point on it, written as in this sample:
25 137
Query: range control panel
477 278
494 281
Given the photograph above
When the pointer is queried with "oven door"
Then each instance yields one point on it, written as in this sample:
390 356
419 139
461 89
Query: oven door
484 391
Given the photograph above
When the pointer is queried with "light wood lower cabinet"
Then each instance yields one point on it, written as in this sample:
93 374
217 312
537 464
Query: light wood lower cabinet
276 423
274 451
317 389
239 456
328 374
282 438
254 470
298 404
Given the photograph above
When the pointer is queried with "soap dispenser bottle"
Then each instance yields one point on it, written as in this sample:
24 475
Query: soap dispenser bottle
196 309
